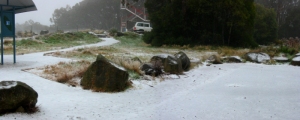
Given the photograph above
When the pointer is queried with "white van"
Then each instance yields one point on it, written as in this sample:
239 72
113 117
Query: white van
141 27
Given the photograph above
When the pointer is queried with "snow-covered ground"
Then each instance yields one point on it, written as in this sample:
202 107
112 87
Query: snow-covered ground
244 91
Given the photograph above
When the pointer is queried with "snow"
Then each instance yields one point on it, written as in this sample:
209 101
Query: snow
8 84
281 58
259 57
245 91
296 58
117 66
253 56
263 57
237 57
164 55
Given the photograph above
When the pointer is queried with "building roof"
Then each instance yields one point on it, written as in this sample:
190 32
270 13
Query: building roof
19 5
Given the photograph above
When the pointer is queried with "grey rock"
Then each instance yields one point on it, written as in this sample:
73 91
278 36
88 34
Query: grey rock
185 60
105 76
257 57
232 59
214 59
296 61
15 95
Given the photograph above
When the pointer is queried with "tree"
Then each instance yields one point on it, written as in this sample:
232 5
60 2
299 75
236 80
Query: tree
284 14
266 26
291 27
220 22
31 26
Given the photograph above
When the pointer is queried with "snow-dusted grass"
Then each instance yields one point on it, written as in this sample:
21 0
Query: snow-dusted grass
63 72
244 91
55 41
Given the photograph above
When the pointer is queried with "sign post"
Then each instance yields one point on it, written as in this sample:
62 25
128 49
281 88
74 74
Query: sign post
8 9
7 30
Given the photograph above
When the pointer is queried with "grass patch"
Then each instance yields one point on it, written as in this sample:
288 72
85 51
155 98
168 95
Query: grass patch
131 45
52 42
64 72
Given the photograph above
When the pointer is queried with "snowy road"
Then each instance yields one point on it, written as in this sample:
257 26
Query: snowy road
228 92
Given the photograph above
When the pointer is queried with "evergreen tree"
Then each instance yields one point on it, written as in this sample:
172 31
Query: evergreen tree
218 22
265 25
291 27
100 14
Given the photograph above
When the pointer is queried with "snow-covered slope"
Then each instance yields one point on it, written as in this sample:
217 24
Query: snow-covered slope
245 91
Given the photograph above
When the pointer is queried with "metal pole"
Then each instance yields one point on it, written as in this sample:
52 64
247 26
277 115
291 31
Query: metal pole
1 49
14 35
1 36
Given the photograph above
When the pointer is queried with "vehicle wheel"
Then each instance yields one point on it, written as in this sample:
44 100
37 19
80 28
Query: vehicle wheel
141 31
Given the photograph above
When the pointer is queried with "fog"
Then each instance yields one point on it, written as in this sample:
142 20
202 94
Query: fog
45 10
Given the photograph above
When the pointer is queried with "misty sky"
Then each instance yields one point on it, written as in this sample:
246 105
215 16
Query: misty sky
45 10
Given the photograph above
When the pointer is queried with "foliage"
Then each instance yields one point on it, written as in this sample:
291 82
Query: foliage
30 26
133 75
148 37
291 27
129 41
288 50
226 22
52 42
265 27
101 14
131 35
112 32
27 43
287 16
62 38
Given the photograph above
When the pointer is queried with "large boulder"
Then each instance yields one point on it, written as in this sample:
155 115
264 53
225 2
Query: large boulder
159 58
214 59
169 63
257 57
281 58
105 76
296 61
148 68
16 95
173 65
185 60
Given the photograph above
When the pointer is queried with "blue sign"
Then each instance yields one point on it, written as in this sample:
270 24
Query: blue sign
7 23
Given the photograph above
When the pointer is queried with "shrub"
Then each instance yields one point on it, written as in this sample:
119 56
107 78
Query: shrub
27 42
288 50
113 32
131 34
265 31
147 37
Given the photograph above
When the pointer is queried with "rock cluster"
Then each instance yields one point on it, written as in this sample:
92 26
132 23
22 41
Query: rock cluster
166 63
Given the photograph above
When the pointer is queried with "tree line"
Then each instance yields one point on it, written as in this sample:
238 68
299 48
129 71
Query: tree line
287 16
245 23
97 14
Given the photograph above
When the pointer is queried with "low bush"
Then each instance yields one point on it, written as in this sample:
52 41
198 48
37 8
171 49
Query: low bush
27 43
114 32
131 34
288 50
